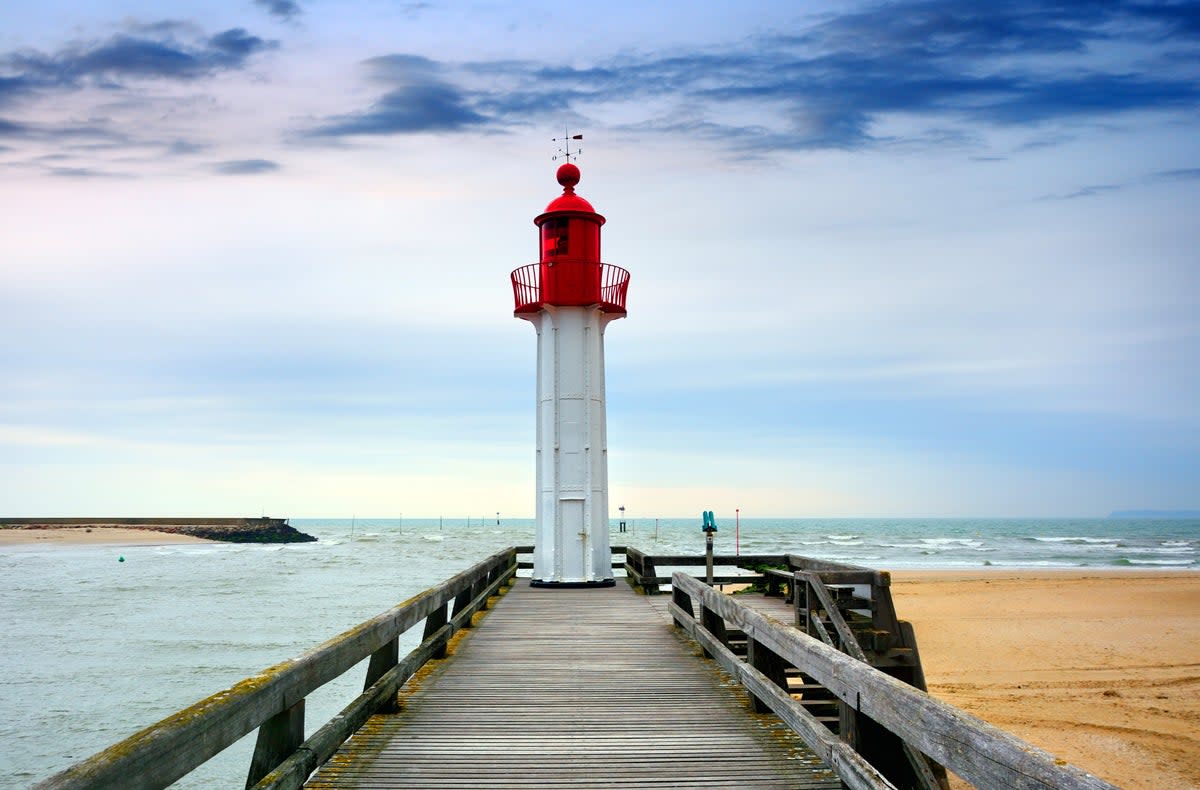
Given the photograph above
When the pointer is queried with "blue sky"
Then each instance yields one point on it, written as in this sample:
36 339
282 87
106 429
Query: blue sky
917 258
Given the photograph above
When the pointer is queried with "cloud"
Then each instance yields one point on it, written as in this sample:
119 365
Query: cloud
242 167
1162 176
185 147
12 88
1183 174
83 173
154 52
12 128
1087 191
420 101
835 84
120 101
285 10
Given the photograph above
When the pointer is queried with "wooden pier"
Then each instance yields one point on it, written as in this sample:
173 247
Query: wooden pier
605 687
582 688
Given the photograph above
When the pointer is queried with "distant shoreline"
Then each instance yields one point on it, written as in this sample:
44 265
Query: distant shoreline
70 537
225 530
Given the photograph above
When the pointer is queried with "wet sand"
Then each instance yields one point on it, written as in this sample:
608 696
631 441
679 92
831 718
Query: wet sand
96 536
1101 669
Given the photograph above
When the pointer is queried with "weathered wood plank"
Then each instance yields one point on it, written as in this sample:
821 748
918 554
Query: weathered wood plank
573 688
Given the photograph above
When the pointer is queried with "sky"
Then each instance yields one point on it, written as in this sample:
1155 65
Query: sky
923 258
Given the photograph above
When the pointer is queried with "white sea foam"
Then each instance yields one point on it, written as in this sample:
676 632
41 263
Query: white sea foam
1077 540
1158 550
1033 564
950 542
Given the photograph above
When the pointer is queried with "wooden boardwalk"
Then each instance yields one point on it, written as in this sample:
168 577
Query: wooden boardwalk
580 688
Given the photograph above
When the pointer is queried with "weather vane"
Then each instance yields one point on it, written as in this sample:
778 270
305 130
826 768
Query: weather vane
566 141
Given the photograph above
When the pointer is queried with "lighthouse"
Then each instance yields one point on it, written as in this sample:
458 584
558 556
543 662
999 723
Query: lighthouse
570 297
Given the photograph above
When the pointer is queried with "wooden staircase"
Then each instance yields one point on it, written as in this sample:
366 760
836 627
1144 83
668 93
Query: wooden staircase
850 608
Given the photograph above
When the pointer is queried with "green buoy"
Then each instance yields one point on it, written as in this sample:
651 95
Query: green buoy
121 558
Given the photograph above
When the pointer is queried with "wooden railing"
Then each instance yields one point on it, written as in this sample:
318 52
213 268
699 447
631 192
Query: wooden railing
975 750
525 565
642 568
273 700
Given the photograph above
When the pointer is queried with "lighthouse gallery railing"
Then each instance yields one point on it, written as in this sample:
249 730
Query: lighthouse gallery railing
609 291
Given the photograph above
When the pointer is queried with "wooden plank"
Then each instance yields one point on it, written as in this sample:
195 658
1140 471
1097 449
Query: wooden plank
975 750
580 688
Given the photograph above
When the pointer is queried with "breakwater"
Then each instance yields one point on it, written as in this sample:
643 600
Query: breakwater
229 530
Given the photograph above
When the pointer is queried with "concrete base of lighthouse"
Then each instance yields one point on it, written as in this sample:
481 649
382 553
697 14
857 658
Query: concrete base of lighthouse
571 547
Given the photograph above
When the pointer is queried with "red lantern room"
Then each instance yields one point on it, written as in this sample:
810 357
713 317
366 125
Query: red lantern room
569 272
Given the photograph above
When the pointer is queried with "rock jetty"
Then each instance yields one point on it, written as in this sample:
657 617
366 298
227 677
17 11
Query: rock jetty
229 530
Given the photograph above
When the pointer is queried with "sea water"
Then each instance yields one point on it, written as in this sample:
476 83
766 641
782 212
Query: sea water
94 649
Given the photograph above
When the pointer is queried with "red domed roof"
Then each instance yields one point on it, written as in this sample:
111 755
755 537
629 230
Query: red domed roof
568 176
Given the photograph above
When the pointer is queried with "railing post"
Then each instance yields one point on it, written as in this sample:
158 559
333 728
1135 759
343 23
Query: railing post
435 620
635 568
770 664
278 737
462 601
798 604
714 624
682 600
648 570
382 660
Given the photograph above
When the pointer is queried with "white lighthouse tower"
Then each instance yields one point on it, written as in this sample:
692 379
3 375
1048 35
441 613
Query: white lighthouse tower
570 297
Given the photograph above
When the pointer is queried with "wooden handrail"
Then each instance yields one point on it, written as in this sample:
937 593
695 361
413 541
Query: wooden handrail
982 754
849 643
274 698
525 565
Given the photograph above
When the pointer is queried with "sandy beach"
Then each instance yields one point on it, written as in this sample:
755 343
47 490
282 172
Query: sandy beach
98 536
1101 669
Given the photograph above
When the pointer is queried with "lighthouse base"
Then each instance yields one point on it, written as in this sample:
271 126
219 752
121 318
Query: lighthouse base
569 585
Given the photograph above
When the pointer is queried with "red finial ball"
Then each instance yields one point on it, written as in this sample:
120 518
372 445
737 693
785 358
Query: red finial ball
568 176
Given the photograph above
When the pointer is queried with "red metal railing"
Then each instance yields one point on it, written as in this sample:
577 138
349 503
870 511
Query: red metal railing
570 283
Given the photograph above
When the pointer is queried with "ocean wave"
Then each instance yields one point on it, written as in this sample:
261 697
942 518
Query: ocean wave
1078 539
1174 543
1177 563
845 543
951 542
1033 563
842 537
1158 550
